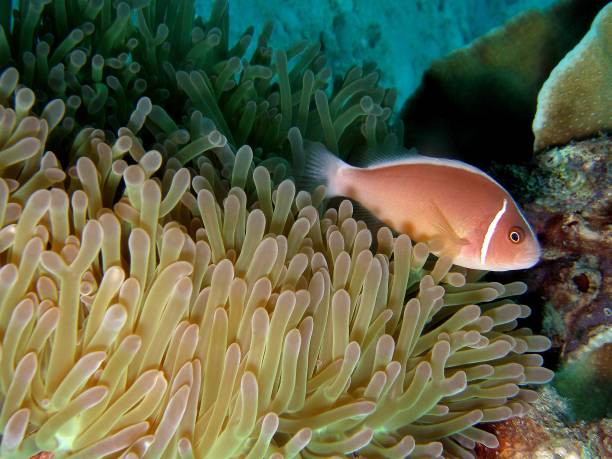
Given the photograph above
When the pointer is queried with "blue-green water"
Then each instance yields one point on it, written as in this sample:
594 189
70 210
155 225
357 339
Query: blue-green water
402 37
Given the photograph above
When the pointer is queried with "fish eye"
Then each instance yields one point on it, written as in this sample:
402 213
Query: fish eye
515 235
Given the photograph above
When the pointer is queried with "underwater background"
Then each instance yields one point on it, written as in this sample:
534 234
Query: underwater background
401 37
171 285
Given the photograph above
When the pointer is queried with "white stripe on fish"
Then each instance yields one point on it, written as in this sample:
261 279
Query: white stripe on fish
491 231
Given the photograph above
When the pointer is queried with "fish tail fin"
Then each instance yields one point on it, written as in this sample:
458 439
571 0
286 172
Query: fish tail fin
321 168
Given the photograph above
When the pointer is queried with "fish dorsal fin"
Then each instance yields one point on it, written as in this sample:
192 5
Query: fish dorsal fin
368 156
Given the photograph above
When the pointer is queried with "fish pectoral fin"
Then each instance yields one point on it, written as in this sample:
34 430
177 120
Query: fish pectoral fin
446 233
440 245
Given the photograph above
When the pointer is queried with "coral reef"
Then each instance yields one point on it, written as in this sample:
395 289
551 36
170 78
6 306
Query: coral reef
571 217
149 309
547 432
573 282
569 204
490 90
591 368
576 99
478 103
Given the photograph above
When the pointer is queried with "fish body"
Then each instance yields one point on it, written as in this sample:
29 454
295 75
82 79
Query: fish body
456 208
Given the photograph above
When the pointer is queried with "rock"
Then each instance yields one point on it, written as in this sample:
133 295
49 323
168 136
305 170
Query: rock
571 218
584 380
567 197
576 100
478 103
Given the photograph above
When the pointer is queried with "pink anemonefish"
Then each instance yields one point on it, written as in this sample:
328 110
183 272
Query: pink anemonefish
456 208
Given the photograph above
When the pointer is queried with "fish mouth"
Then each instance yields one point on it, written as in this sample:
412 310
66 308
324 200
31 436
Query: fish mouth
527 264
513 267
524 262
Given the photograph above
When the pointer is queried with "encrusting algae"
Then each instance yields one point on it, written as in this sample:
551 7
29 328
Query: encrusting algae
153 310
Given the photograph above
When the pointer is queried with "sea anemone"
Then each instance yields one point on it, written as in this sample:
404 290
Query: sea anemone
103 58
153 310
